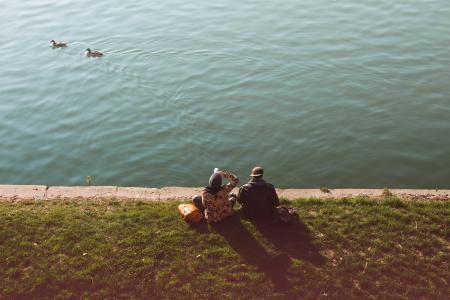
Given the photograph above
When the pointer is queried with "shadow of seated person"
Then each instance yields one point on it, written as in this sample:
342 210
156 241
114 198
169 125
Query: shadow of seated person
292 239
259 200
243 242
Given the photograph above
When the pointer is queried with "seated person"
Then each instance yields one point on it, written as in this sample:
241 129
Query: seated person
258 197
216 201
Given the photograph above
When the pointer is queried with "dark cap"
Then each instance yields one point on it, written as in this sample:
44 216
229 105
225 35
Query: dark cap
257 172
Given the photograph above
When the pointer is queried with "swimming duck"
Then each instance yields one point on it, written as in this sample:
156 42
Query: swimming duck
93 53
58 44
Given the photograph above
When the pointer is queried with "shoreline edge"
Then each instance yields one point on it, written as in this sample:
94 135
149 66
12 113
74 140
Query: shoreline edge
43 192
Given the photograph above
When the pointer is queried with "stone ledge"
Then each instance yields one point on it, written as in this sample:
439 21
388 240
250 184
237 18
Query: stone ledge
87 192
373 193
22 191
42 192
179 193
138 193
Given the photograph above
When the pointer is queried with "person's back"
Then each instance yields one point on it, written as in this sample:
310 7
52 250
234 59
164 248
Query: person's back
258 198
216 201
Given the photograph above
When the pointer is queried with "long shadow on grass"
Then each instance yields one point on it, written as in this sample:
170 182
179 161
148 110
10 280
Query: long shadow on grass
243 242
293 240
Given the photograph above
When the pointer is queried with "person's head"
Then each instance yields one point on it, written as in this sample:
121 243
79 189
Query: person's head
257 172
215 183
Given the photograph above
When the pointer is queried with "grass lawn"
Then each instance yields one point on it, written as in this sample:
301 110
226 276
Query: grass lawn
343 249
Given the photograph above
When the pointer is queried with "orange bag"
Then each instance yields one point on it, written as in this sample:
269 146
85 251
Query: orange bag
190 213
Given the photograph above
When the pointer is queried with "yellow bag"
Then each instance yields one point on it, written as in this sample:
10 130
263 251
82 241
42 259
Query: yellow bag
190 213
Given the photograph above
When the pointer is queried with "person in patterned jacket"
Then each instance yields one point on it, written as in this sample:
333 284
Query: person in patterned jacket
216 201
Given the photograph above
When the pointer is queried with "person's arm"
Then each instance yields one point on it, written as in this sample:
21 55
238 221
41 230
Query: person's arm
241 195
205 199
275 199
233 181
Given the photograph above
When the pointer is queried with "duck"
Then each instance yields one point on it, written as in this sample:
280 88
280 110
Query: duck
58 44
93 53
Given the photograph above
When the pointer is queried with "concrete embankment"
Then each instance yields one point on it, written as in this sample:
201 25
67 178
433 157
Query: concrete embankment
42 192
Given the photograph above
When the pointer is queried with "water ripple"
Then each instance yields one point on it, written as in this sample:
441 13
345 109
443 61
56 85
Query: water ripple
321 93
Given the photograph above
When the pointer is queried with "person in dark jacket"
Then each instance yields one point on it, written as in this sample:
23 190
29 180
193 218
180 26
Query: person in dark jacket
258 197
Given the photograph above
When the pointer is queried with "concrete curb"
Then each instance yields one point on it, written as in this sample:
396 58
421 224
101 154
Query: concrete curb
42 192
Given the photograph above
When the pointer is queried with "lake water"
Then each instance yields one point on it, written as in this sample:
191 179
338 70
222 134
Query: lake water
321 93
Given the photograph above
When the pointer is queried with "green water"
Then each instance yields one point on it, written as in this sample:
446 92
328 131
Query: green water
321 93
